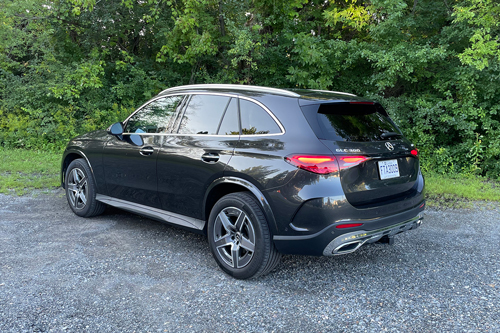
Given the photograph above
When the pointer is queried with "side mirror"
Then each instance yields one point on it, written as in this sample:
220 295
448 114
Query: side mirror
136 139
116 129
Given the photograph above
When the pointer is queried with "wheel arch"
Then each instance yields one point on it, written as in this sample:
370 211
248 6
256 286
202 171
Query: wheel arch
226 185
70 156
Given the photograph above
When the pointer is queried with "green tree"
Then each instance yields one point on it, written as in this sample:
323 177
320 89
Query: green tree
69 66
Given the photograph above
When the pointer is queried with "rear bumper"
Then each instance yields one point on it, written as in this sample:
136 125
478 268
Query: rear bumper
350 242
333 241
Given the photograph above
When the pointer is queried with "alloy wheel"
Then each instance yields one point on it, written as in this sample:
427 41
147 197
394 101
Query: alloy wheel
234 237
77 188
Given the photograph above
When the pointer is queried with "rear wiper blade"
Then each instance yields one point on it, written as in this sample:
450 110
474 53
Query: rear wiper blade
387 135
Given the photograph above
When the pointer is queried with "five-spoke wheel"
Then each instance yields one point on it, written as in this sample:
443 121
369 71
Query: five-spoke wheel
77 188
81 190
239 237
234 237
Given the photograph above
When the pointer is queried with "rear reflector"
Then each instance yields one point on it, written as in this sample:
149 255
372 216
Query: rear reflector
414 152
318 164
350 225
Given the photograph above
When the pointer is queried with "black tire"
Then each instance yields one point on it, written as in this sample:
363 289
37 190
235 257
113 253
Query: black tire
81 190
241 244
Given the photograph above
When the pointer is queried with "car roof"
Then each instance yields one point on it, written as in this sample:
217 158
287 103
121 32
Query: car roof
305 96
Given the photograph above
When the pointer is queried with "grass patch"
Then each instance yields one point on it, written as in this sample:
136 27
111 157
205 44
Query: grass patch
459 191
22 171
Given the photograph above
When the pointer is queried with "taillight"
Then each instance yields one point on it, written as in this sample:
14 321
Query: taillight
414 152
323 164
350 161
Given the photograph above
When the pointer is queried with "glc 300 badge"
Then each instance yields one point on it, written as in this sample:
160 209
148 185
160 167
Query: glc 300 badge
389 146
348 150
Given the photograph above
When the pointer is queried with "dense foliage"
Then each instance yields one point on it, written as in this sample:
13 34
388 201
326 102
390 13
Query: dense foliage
70 66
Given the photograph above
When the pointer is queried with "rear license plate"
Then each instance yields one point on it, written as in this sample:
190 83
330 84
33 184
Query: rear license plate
388 169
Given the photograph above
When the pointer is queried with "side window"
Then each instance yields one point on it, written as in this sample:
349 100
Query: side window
255 120
154 117
203 114
230 124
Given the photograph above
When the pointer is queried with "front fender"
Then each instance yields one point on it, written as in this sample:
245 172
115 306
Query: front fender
69 156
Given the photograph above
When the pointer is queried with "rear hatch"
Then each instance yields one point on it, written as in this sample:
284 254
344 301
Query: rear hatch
377 164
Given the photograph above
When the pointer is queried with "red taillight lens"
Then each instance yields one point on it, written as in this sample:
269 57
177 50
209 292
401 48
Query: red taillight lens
318 164
350 161
350 225
414 152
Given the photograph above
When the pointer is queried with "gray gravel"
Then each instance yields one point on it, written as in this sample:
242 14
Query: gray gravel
123 272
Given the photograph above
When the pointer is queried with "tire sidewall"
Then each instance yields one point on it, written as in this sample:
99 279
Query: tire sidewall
82 165
261 248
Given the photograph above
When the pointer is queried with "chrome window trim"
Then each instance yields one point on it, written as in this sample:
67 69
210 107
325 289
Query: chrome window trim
283 131
205 135
276 91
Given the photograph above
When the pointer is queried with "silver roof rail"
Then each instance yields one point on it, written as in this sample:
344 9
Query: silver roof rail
234 87
334 92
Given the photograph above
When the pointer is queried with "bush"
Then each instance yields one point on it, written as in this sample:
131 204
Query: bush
84 64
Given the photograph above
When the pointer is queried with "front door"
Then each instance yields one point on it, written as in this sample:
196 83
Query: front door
130 162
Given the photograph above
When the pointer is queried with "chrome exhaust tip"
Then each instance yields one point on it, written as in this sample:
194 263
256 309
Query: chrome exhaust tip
348 247
418 223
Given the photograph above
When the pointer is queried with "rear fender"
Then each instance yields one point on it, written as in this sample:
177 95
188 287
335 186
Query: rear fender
266 207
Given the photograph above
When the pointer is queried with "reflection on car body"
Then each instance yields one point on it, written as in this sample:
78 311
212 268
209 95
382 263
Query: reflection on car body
261 171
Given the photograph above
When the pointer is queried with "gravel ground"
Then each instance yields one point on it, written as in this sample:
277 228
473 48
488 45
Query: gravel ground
122 272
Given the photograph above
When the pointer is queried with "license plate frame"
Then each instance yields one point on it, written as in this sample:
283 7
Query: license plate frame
388 169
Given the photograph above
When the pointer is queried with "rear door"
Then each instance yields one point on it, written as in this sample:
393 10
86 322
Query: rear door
206 132
258 157
377 163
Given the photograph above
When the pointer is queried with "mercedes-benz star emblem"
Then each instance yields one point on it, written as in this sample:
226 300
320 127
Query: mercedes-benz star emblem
389 146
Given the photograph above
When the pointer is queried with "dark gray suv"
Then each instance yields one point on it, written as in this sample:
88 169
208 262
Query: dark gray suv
261 171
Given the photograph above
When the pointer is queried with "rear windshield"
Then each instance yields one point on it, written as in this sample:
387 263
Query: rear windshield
350 122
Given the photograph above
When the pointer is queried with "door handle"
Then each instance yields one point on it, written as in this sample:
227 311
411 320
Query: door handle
210 157
147 151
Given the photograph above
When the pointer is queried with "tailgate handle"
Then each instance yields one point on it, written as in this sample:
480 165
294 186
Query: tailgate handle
146 151
210 157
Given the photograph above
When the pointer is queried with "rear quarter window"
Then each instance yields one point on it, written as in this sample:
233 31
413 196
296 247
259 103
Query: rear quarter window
255 120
